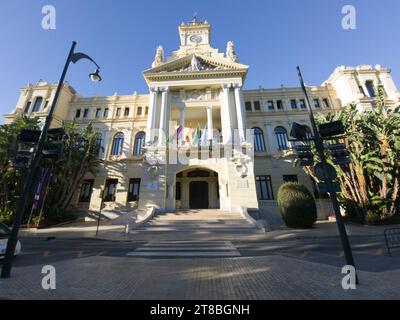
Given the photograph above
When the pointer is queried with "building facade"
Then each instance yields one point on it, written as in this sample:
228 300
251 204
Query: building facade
198 139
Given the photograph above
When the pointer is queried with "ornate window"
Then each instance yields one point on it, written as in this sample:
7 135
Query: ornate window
117 145
370 88
27 107
86 190
259 145
139 143
134 188
38 104
105 113
282 138
110 190
264 188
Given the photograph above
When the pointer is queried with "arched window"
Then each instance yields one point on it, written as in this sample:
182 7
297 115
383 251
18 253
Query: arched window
259 145
117 144
282 138
38 104
139 143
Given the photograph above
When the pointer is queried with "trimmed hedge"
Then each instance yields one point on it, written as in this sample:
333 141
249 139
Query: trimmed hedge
297 205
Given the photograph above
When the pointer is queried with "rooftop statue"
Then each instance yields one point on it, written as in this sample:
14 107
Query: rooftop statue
196 64
230 52
159 58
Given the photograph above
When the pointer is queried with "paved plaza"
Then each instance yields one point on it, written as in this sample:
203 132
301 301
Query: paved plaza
282 264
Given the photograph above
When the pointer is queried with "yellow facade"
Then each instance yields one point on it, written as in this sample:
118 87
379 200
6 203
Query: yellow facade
199 87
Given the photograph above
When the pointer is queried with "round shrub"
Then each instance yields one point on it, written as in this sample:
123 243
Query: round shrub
297 205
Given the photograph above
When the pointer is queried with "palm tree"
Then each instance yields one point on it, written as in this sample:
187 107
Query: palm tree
370 184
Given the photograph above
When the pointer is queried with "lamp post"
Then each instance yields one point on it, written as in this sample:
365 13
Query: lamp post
328 178
12 241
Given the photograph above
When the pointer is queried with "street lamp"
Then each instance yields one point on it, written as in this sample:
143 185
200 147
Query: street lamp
328 177
12 241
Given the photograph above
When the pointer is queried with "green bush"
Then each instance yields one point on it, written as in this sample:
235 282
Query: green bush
7 216
297 205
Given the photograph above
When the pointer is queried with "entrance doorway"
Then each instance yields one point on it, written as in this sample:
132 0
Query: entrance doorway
198 195
197 188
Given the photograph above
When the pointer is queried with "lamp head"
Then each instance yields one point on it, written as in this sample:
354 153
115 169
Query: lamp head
95 76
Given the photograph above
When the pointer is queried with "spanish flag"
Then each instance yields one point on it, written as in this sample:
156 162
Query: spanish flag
188 134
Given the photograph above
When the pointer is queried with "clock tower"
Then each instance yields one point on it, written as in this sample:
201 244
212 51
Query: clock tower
195 33
195 38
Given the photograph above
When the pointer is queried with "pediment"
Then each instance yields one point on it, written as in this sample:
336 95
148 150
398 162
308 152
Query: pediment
195 64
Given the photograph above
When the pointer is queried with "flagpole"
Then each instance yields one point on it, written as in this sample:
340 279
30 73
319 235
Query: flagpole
41 209
30 217
39 187
45 196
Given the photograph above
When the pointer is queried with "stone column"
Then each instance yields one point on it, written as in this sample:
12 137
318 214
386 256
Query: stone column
227 133
209 123
106 142
127 142
240 112
151 115
164 105
271 139
182 122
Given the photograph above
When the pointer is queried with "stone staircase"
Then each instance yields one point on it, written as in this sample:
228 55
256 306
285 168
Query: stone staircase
188 223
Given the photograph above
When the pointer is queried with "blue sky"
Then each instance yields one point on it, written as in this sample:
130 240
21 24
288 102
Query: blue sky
270 36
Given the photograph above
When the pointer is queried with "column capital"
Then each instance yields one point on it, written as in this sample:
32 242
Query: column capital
209 107
163 89
237 86
153 89
226 85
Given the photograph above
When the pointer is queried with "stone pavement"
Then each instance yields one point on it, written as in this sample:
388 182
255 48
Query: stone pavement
281 264
261 277
108 231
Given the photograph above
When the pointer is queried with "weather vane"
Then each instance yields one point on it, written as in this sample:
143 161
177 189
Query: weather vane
195 16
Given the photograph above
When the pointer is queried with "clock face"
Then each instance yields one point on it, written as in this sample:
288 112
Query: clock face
195 38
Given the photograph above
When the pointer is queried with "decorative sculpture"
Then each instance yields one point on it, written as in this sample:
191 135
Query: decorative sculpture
240 160
159 58
195 64
230 52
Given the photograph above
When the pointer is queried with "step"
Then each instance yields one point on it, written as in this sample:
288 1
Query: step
198 226
194 231
185 222
186 249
